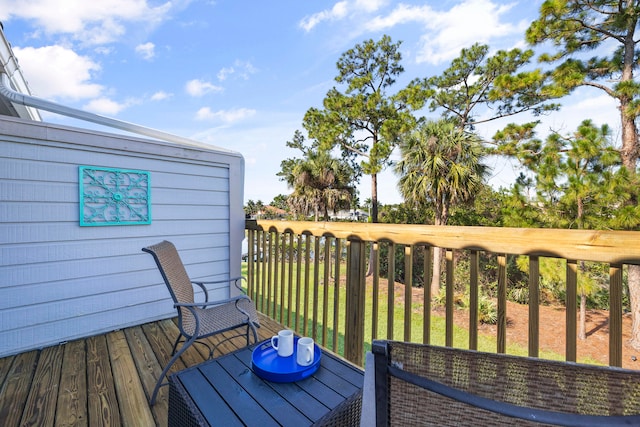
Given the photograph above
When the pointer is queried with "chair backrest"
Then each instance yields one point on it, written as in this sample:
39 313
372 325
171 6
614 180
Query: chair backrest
418 384
174 274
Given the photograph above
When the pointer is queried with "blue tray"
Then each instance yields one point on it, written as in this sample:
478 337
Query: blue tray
266 364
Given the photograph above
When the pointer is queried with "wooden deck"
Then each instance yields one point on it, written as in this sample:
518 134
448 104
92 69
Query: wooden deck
104 380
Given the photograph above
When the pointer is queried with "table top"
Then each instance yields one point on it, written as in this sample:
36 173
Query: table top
226 391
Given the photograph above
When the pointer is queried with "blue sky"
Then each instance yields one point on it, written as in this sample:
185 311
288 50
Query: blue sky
241 74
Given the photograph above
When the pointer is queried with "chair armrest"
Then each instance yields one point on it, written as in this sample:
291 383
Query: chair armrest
235 280
209 303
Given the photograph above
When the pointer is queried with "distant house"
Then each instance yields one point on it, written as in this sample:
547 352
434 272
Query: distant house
272 212
77 206
350 215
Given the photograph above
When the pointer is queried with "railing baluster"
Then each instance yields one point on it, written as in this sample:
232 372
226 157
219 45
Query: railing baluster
283 262
290 280
316 286
307 276
408 291
571 310
325 293
473 299
615 315
298 281
426 286
270 284
501 345
251 274
261 267
391 281
449 284
375 289
534 306
354 313
336 294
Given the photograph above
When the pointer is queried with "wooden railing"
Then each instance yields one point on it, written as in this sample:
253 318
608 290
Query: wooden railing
283 256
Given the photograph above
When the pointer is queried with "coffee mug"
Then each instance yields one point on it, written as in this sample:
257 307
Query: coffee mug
283 343
305 351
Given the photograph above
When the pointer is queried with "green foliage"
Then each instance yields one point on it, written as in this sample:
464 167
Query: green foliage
320 182
476 83
440 164
484 210
404 213
399 271
572 28
487 308
280 202
364 121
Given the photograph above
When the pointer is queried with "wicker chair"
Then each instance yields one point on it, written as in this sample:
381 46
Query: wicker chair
425 385
202 319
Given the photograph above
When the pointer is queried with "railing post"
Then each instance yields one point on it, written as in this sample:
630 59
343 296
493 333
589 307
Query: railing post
534 306
449 294
502 304
571 310
615 315
354 310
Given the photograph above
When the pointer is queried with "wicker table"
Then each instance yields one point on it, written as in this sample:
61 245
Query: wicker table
224 391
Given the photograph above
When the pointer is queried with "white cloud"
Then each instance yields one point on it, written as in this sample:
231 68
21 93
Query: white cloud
58 72
224 72
146 50
227 116
338 11
445 29
242 69
197 87
370 5
105 106
160 95
447 32
401 15
466 23
341 10
92 22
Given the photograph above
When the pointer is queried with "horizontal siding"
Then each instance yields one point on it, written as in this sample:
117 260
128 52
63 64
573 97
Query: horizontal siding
29 211
60 281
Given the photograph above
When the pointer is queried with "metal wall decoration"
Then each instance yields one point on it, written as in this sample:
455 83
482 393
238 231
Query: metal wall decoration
114 196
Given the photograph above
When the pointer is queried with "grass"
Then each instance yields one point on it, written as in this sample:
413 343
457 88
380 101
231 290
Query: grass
293 317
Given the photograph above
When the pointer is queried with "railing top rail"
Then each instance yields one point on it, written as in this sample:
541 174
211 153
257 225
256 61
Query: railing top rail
615 247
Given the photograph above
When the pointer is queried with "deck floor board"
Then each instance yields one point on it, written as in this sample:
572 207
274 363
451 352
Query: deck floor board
105 380
72 395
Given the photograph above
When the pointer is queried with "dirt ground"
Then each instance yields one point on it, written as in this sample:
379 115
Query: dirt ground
595 347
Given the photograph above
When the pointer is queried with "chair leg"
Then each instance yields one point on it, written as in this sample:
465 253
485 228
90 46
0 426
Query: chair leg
255 333
175 344
173 360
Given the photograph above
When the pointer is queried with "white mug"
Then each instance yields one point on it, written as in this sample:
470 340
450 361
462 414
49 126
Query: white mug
305 351
283 343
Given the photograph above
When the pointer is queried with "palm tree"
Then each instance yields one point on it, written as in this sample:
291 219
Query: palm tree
440 164
320 183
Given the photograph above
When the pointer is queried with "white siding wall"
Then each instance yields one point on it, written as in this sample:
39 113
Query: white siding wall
60 281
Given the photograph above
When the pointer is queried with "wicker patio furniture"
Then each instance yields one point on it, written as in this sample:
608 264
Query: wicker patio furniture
426 385
197 320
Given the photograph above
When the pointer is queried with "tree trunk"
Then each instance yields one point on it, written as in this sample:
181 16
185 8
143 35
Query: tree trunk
634 300
374 198
441 217
629 155
374 215
582 333
437 270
